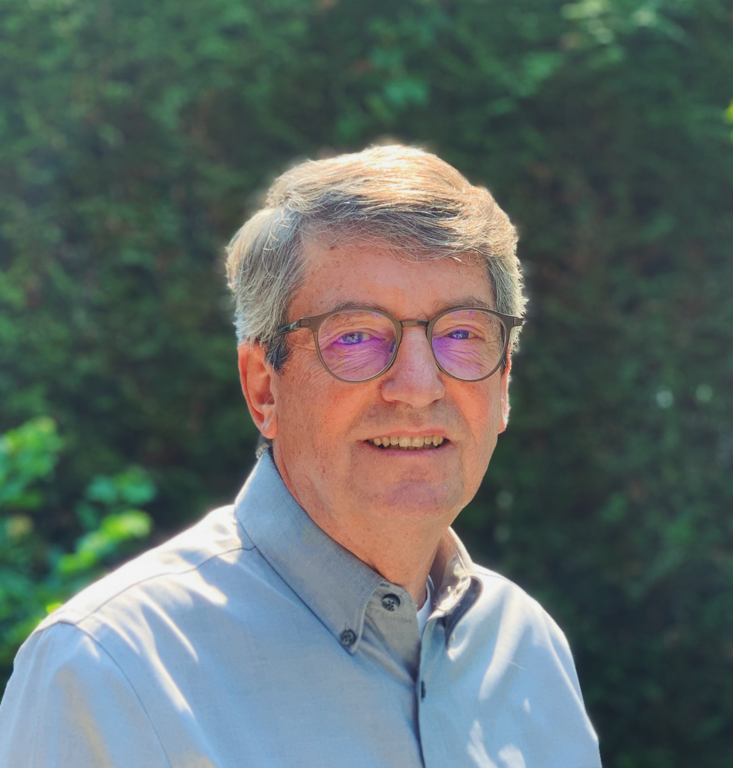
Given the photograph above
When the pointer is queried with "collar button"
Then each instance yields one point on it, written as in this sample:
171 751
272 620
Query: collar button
390 602
347 638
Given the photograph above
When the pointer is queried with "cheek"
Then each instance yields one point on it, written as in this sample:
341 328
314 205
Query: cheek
480 404
313 408
485 422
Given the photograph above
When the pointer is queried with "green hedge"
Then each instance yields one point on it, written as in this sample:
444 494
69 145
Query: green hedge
36 574
134 137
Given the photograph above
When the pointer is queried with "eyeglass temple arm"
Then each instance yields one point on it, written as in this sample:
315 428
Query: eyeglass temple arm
304 322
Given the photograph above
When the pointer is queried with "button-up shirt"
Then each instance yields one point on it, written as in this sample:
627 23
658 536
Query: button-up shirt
254 639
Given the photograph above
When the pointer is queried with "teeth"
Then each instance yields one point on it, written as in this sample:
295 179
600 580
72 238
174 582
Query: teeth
408 442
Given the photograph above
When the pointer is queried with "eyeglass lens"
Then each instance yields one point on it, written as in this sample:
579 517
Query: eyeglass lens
357 344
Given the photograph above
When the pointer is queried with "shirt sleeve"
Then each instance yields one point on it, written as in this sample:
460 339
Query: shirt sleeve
69 705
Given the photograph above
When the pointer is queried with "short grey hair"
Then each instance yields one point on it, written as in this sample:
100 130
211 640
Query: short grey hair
414 201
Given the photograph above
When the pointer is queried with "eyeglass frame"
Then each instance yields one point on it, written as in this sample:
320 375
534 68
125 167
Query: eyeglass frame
314 322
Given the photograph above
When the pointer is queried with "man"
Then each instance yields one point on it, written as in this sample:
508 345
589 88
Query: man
331 617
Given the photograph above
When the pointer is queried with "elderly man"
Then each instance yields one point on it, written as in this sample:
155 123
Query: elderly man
331 617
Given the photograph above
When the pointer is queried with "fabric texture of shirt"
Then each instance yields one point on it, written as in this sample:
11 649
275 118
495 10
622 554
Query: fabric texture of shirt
253 639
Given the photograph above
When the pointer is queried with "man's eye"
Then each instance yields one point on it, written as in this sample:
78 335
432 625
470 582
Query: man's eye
355 337
460 334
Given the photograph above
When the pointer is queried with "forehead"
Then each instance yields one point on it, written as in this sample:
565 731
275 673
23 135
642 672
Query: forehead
377 274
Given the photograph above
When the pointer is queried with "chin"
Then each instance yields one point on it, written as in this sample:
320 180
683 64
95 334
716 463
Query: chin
418 501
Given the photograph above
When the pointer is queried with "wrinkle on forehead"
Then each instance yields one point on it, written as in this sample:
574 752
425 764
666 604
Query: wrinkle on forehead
354 245
402 248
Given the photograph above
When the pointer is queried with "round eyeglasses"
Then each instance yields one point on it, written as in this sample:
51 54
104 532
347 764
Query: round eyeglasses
468 343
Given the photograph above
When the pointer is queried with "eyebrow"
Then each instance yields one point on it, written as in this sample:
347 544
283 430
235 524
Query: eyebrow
462 301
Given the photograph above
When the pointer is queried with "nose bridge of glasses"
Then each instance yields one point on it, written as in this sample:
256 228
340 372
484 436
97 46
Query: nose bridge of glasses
412 324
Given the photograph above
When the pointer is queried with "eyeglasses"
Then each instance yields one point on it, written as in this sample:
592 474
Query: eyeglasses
468 343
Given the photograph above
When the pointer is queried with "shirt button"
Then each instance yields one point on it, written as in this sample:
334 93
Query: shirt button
390 602
348 637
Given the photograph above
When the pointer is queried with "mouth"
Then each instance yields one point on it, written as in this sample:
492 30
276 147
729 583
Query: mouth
404 443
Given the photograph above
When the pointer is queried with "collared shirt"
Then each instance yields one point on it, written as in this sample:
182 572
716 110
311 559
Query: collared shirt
253 639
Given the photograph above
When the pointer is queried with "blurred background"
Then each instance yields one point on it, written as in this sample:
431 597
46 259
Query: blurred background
135 138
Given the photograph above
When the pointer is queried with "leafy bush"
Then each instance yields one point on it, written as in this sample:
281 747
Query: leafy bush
36 574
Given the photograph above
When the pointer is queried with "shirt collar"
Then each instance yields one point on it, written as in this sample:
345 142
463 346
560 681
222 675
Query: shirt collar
331 581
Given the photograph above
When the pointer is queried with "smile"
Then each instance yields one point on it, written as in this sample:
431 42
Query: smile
408 443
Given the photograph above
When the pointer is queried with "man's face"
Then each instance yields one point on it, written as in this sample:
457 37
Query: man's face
322 427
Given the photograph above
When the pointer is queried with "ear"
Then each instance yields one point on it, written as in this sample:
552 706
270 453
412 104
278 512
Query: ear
505 395
256 377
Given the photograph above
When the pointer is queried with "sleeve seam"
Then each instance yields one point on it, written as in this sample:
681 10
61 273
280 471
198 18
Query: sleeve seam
144 709
66 616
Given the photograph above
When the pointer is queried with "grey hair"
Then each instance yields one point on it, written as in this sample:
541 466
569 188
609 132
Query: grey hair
418 204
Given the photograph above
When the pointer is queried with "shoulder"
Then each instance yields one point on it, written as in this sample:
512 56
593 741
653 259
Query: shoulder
498 589
98 657
68 703
135 624
57 657
160 577
520 615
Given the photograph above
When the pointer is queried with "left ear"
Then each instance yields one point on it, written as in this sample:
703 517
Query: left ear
504 385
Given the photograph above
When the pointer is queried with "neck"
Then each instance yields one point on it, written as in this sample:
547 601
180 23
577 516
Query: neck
400 550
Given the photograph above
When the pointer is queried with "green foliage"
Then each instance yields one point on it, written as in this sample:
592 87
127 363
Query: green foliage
36 575
133 137
27 454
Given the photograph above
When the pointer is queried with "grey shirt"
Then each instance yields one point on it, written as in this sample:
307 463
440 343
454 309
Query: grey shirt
255 640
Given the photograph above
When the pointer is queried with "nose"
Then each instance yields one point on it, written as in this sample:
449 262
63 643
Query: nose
414 377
